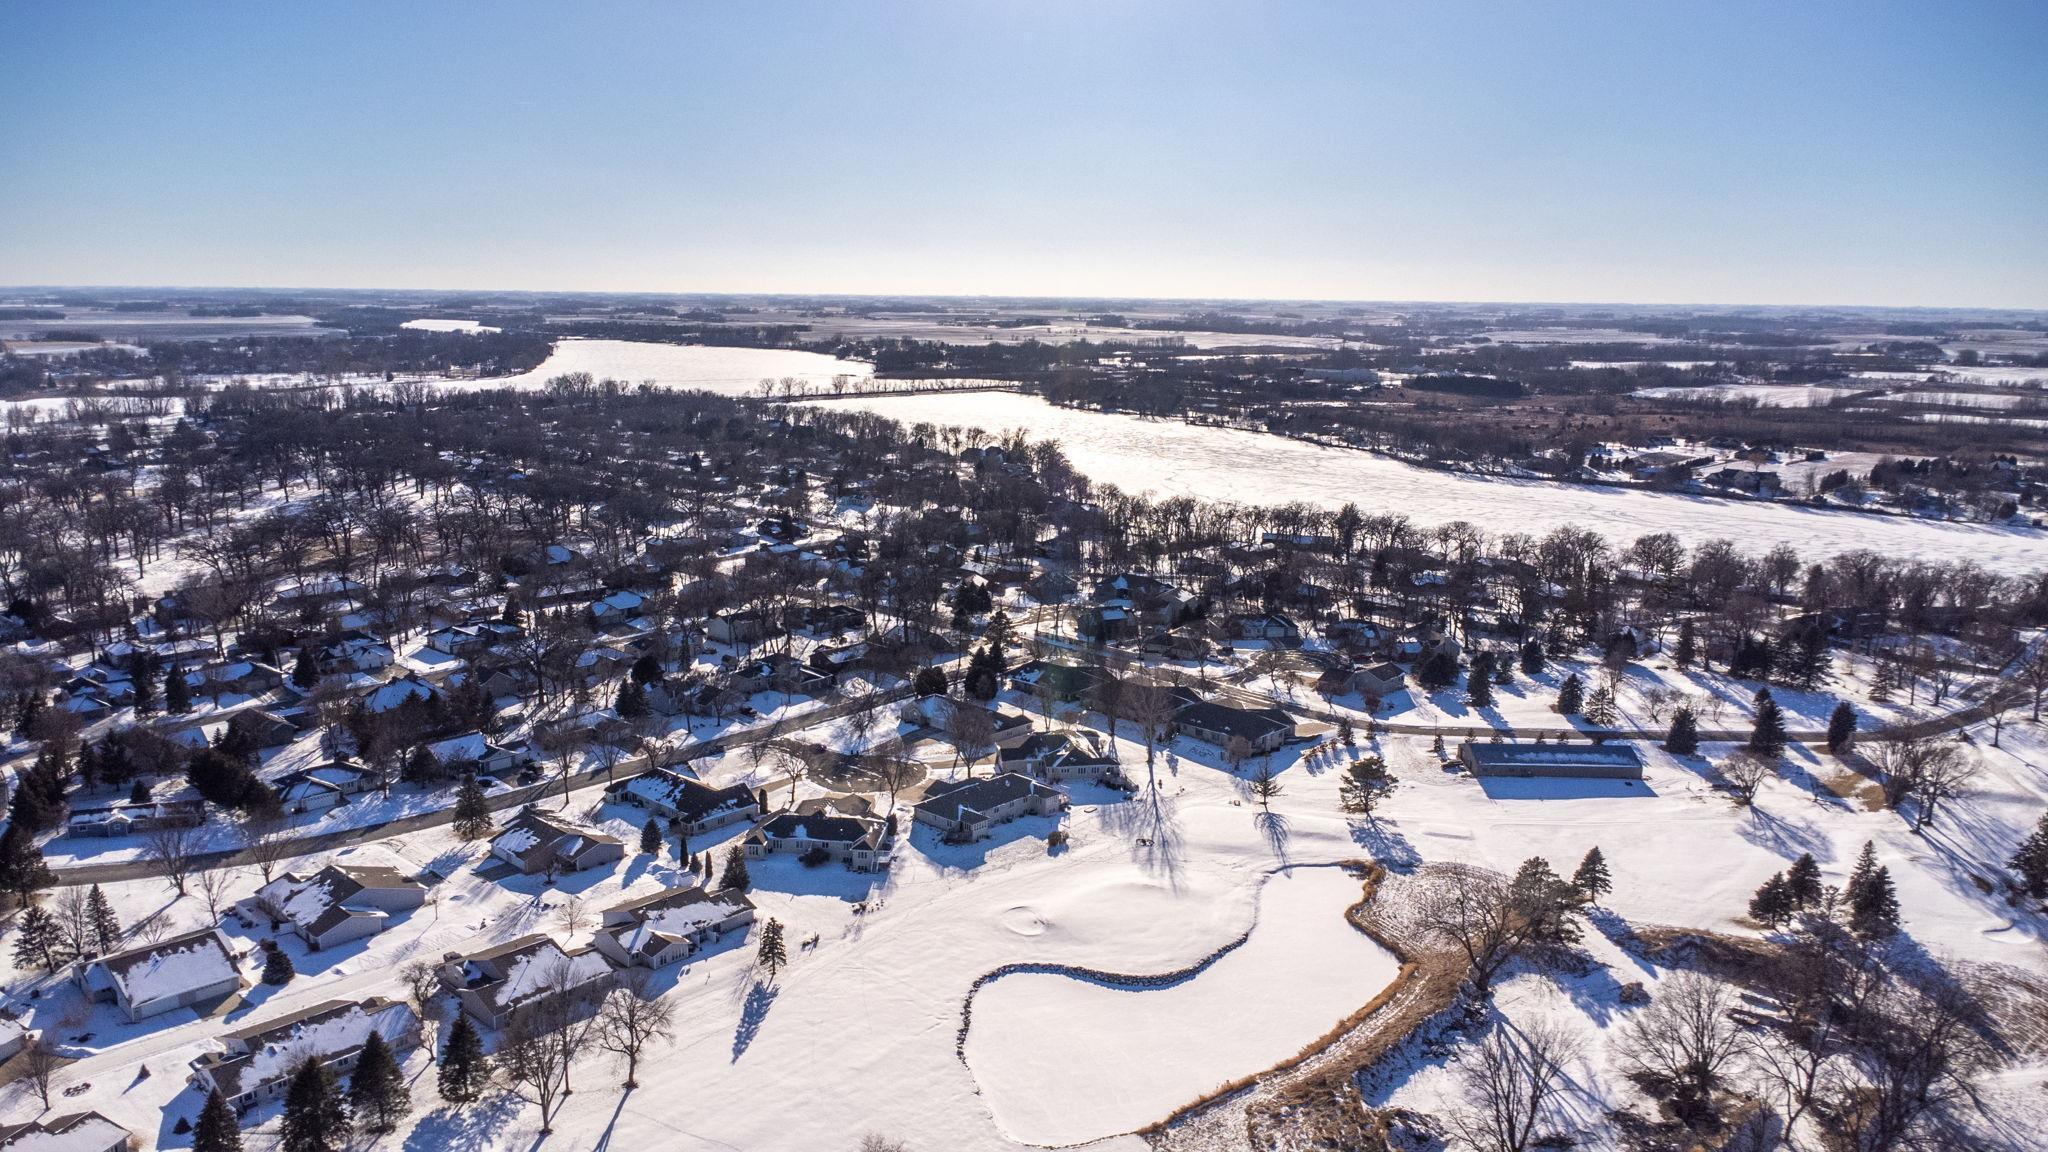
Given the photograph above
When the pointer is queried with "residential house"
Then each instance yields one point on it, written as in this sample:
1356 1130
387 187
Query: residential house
1268 626
742 627
1264 729
474 752
125 819
541 843
353 651
616 606
68 1132
324 786
690 805
500 985
263 729
176 972
832 826
670 925
255 1064
340 902
970 809
1373 682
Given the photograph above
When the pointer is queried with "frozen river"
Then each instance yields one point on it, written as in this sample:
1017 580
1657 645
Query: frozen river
1171 458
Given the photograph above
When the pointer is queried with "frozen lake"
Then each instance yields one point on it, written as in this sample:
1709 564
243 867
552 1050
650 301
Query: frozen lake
1062 1060
685 365
1171 458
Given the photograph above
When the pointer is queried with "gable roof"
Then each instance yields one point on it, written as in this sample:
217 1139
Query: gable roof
949 799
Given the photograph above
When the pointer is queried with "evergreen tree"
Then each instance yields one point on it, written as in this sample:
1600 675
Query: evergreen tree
771 953
1479 681
984 674
1438 670
472 810
1532 657
1806 663
650 838
306 670
1768 737
1600 707
1683 738
277 966
1591 881
2031 861
377 1092
1688 648
22 870
315 1114
1546 901
512 614
421 769
464 1072
1841 728
1773 904
632 700
929 682
38 941
177 693
105 926
735 878
142 675
139 792
219 1130
647 669
1859 876
1571 696
1366 782
1874 909
999 633
1802 881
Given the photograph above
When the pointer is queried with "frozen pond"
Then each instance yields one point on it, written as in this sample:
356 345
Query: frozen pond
695 366
1062 1060
1171 458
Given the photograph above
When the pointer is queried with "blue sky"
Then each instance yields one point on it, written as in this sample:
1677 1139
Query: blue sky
1725 152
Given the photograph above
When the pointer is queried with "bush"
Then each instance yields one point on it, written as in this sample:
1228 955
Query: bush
812 857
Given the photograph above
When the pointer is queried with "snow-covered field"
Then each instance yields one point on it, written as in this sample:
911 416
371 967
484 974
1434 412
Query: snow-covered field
685 365
1767 395
1173 458
1064 1060
432 325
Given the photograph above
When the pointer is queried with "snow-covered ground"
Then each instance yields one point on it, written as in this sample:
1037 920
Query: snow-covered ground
703 367
1174 458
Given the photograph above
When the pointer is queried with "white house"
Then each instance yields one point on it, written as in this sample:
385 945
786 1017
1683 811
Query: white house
498 985
537 842
340 902
661 929
257 1063
70 1132
177 972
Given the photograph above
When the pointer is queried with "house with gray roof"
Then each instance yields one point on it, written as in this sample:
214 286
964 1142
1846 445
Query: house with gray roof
340 902
970 809
173 973
255 1064
1570 761
670 925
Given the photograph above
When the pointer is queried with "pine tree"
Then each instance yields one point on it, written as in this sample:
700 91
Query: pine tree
219 1130
1366 782
647 669
1591 881
1546 901
22 870
632 700
771 954
1479 681
1688 647
38 940
1683 738
735 878
2031 861
139 792
142 675
315 1114
1802 881
306 670
1841 728
999 631
472 811
1571 696
463 1068
1600 708
1874 910
1438 670
1859 876
1772 905
1532 657
277 966
1768 737
177 693
106 927
377 1093
650 838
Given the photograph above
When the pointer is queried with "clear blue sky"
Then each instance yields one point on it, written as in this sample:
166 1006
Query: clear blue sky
1781 152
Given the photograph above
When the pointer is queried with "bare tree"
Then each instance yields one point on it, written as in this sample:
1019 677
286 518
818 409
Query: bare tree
630 1019
1472 911
570 915
1151 707
971 731
39 1066
876 1142
1685 1039
1927 769
423 989
267 842
1512 1082
1911 1067
213 885
1792 1063
1744 772
170 849
542 1044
